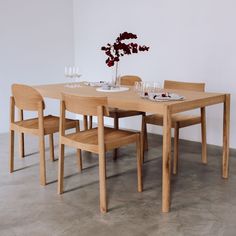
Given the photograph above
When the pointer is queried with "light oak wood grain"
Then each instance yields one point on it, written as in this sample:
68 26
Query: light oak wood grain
116 114
166 160
129 100
29 99
182 120
97 140
21 136
226 130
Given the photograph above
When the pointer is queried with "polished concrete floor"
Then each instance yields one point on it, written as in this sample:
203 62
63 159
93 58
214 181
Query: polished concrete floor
202 202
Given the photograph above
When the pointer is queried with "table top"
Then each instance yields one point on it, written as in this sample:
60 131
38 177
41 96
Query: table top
129 100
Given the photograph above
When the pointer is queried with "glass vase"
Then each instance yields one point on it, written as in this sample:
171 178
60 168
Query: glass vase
116 75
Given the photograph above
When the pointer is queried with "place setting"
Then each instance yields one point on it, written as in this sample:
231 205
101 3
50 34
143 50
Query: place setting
104 86
153 92
73 75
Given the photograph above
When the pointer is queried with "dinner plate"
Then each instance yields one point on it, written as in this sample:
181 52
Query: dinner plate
112 90
171 97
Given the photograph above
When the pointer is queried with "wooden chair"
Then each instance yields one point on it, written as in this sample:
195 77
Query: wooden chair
26 98
116 114
182 120
96 140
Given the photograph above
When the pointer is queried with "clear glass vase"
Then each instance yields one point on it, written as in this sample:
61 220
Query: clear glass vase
116 75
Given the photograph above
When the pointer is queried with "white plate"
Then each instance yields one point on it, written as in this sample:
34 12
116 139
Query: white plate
159 98
112 90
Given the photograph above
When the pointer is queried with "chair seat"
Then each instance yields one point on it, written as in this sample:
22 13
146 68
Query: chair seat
51 125
114 112
182 119
88 139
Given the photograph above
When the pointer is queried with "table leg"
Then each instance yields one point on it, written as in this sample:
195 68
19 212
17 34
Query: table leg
166 160
85 119
226 121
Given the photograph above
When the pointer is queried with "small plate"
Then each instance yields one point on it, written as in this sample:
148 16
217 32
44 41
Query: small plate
171 97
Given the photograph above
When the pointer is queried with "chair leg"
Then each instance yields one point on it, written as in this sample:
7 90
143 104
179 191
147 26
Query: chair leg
145 134
102 182
176 149
143 138
116 126
79 157
203 130
79 160
90 122
60 186
12 135
21 137
42 160
77 126
22 145
85 120
51 144
139 163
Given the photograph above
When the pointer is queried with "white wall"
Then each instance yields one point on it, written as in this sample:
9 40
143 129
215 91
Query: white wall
36 42
189 40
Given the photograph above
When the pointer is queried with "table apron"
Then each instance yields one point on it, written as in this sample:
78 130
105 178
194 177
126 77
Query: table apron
190 105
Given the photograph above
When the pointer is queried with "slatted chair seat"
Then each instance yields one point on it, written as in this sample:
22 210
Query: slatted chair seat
51 125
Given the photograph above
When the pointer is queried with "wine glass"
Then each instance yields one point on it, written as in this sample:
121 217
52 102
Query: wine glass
68 75
147 87
155 87
76 76
138 87
72 72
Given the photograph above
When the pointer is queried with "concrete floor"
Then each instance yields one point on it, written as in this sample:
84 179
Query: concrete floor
202 202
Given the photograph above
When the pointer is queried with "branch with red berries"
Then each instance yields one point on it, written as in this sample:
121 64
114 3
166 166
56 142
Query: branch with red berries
120 48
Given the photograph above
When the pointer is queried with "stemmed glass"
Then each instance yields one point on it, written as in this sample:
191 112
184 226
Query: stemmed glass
145 88
138 87
72 72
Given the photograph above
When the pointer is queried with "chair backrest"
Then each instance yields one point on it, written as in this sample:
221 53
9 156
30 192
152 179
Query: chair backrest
129 80
84 105
198 87
27 98
92 106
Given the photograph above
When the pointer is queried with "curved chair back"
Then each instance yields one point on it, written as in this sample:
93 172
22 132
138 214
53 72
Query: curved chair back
129 80
27 98
84 105
198 87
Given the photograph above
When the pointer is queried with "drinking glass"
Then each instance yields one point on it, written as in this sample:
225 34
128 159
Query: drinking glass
72 73
147 87
68 73
138 87
76 76
156 87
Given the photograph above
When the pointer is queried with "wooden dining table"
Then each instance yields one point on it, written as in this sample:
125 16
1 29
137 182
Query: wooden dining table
130 100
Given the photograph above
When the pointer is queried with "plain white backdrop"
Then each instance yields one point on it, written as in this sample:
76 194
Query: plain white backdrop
189 41
36 42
